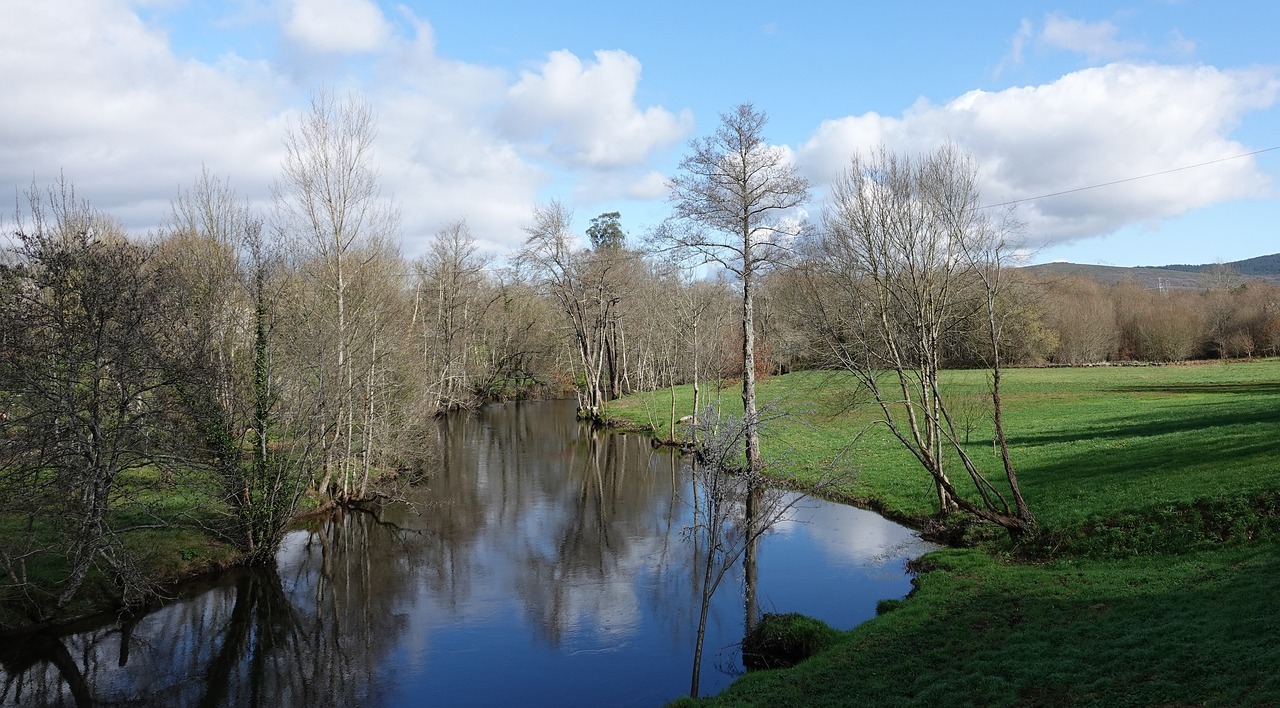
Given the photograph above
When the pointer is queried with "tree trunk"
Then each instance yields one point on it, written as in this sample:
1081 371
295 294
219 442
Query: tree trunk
750 416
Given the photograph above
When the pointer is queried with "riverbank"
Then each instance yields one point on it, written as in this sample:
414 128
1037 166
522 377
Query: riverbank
545 541
172 542
1152 581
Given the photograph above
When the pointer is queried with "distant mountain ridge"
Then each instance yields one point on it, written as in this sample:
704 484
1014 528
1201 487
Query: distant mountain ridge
1188 277
1262 265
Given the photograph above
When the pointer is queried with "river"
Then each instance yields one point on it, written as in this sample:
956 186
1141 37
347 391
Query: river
543 564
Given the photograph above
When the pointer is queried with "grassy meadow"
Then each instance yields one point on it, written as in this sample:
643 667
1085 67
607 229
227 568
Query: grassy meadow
1153 582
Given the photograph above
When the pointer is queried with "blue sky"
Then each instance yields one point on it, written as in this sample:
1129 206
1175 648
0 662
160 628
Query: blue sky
487 109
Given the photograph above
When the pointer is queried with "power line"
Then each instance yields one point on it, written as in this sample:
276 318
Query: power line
1130 179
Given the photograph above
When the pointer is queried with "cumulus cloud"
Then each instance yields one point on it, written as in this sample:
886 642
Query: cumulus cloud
652 185
587 113
337 26
92 91
1089 127
435 154
440 167
96 92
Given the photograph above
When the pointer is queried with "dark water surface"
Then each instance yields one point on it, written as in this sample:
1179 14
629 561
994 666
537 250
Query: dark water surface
543 564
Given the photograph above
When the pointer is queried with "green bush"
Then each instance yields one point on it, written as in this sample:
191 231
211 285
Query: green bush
782 640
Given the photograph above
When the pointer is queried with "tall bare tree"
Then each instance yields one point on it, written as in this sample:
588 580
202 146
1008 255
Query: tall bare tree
733 203
450 302
328 204
212 340
731 512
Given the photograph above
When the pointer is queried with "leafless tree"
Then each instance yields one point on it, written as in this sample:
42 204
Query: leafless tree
450 302
732 510
221 350
733 204
1083 319
518 338
1159 326
581 281
906 258
328 205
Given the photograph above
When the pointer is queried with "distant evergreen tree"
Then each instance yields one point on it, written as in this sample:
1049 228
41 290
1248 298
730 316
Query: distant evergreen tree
606 232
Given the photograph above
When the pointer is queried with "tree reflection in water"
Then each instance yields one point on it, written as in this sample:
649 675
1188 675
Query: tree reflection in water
309 636
542 563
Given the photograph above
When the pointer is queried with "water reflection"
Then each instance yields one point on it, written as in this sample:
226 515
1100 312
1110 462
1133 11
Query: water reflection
543 564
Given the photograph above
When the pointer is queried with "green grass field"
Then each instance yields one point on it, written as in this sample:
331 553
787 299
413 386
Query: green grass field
1155 580
1174 630
1089 443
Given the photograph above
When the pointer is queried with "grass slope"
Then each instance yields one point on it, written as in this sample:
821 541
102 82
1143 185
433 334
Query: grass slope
1153 584
1191 629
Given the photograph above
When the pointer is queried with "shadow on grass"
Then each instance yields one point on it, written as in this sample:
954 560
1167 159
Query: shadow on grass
1150 471
1262 388
1204 416
1138 464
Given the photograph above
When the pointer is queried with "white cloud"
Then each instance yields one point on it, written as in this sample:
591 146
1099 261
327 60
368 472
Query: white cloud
1095 40
337 26
441 167
437 154
93 91
1017 45
653 185
1089 127
585 115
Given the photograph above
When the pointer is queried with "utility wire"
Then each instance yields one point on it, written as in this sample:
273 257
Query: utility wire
637 256
1129 179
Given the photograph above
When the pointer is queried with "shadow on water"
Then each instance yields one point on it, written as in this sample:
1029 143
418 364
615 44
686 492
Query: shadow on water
542 563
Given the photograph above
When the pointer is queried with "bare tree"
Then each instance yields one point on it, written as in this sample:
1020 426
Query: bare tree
1083 317
221 352
449 305
1159 326
328 204
732 203
581 282
519 349
915 260
732 510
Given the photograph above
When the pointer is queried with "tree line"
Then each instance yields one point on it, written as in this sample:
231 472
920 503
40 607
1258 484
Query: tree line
244 360
259 357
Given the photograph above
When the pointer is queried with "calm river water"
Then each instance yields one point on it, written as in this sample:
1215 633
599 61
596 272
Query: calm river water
543 564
